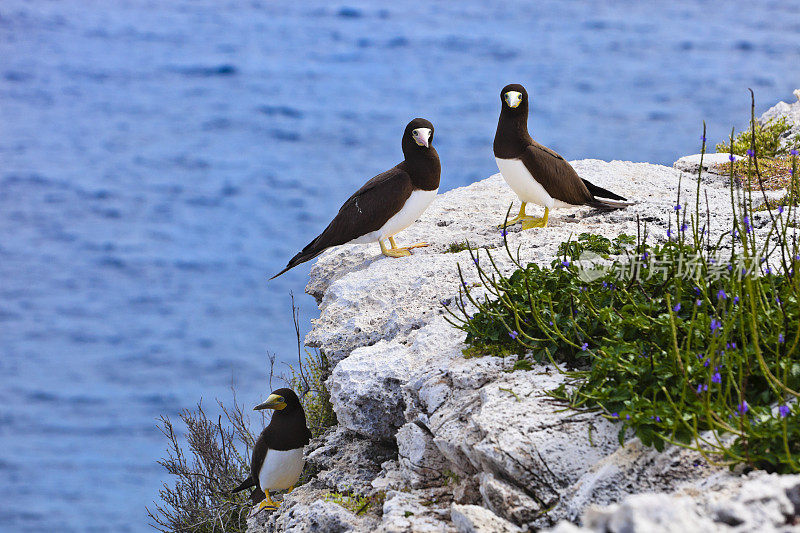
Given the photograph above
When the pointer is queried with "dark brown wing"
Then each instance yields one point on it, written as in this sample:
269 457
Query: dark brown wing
557 176
364 212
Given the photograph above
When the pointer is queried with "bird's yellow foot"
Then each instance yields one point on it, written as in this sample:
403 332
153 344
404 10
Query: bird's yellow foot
512 221
267 503
537 222
520 217
534 223
396 251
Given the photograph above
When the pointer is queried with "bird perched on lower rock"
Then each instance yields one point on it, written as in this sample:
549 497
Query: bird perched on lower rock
536 173
277 460
386 204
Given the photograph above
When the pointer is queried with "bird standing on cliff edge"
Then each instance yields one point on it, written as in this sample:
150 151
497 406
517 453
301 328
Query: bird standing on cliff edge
386 204
277 460
537 174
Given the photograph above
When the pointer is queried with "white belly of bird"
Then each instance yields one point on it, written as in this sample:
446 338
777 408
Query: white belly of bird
281 469
416 204
521 182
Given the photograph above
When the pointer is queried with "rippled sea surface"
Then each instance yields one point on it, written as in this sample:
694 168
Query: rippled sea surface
158 160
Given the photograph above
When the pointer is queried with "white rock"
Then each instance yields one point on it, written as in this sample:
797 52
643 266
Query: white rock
791 112
477 519
318 517
404 512
711 162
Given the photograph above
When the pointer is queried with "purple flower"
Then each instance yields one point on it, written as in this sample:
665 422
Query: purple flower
702 138
715 325
669 233
677 207
677 307
780 209
504 233
734 233
565 263
793 151
743 407
697 290
699 303
614 415
780 338
684 226
783 410
706 363
658 418
701 387
750 152
716 378
736 299
721 295
513 334
747 227
732 157
585 346
627 417
645 256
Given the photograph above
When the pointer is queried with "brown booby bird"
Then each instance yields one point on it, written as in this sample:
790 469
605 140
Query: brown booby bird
386 204
277 460
536 173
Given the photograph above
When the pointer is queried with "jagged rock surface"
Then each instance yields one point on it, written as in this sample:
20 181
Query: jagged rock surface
464 432
761 502
791 112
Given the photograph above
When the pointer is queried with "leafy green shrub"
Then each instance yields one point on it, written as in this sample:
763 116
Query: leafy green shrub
683 342
767 139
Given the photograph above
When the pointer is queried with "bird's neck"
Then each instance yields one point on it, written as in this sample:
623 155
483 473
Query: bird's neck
424 169
512 136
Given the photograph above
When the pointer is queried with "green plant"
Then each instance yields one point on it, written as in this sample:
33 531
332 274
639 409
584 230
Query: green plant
458 246
766 138
676 354
200 500
355 503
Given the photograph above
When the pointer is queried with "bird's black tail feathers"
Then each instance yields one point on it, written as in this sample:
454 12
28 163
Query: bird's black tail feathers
608 204
246 484
601 192
306 254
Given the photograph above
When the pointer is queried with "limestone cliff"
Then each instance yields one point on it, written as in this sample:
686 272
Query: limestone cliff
459 444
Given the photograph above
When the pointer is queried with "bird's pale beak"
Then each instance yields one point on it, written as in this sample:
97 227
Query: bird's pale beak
273 402
424 137
513 98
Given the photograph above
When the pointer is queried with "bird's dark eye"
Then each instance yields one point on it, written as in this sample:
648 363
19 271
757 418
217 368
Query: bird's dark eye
415 133
281 400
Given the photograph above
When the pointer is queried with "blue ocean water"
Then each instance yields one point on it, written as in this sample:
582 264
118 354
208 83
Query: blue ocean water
159 160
